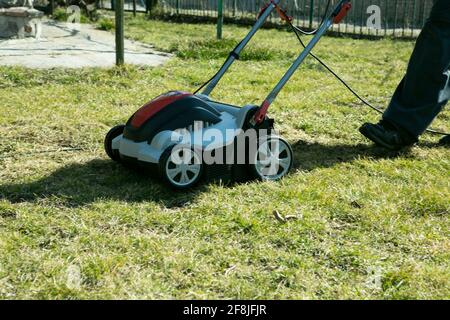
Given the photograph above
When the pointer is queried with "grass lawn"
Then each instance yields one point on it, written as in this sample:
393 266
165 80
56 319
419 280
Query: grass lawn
73 224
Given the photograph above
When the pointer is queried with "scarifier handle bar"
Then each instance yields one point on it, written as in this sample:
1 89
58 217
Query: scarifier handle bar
338 14
235 53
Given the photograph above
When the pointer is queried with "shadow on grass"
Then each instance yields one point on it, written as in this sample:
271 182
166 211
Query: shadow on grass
84 183
80 184
309 156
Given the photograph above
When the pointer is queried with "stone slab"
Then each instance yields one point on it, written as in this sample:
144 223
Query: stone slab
68 48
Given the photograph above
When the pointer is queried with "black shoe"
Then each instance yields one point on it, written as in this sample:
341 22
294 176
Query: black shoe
445 141
387 135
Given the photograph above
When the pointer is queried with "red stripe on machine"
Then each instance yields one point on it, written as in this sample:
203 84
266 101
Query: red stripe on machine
156 105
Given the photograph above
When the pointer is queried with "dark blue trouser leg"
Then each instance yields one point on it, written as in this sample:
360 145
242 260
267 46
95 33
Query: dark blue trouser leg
425 89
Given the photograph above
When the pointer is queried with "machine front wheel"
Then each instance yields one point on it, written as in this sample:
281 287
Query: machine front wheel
110 136
181 167
272 160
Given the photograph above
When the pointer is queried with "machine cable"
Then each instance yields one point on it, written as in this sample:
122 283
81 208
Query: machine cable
358 96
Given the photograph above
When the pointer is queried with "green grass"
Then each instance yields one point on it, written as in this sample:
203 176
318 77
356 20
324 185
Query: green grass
73 224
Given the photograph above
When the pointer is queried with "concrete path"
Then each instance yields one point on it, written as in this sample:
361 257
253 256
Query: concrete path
61 46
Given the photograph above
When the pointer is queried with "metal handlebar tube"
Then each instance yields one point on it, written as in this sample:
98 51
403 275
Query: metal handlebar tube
235 53
299 61
262 111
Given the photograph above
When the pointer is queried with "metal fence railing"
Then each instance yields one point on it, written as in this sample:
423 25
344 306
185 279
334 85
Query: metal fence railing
398 18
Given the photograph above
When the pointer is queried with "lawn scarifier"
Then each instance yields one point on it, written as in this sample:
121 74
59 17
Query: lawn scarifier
152 135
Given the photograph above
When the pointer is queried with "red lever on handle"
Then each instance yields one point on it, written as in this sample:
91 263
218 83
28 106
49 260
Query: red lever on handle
283 14
341 15
261 113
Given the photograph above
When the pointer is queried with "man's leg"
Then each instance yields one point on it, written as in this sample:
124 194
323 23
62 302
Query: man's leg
424 90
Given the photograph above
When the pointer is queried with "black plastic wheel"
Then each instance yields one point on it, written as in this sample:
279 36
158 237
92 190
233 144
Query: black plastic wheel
181 167
272 160
110 136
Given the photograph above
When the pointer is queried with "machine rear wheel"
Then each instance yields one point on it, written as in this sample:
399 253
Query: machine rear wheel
272 160
181 167
110 136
